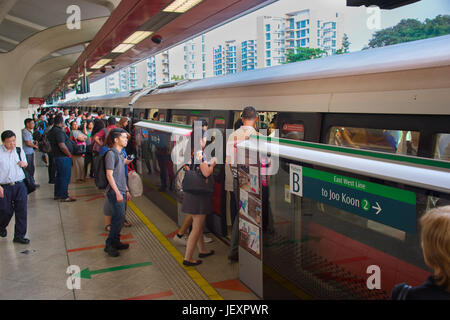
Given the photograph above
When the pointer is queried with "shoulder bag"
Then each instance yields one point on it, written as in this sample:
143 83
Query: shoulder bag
194 182
28 183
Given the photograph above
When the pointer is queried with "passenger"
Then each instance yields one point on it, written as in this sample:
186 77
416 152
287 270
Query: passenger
78 160
61 153
79 118
249 118
272 128
198 205
89 158
29 147
51 162
13 192
107 210
117 191
436 251
181 237
123 123
165 167
70 119
100 137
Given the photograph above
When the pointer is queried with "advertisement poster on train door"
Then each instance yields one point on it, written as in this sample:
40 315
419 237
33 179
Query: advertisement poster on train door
250 208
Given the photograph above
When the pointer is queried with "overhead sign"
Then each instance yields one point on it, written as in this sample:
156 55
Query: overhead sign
387 205
39 101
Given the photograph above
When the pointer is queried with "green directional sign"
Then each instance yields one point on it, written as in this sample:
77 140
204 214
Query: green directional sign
86 273
387 205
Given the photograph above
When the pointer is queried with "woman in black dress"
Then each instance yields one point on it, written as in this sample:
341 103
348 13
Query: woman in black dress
198 205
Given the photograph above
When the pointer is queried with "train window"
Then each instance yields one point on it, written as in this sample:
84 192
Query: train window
194 118
179 119
442 147
219 123
292 130
393 141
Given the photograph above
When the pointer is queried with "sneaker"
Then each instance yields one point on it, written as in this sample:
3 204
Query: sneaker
207 239
181 241
121 246
111 251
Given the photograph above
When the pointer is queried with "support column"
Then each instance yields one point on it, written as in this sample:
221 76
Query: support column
13 120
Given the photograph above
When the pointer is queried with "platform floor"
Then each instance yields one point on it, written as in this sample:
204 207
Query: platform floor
72 234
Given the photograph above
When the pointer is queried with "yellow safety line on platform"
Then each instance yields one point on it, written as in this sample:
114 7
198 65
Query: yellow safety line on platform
194 274
165 195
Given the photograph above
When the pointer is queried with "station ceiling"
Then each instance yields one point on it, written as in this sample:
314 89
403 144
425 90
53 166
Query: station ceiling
21 19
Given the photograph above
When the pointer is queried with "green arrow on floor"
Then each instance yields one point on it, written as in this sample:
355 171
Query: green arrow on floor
86 273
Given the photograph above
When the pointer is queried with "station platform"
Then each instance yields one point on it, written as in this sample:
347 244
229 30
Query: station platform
73 234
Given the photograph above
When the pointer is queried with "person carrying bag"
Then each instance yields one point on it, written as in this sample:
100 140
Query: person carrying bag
198 187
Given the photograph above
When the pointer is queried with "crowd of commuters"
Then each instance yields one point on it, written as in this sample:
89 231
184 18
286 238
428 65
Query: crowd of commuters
72 144
77 139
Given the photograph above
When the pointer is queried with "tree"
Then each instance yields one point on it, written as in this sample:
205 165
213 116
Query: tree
410 30
345 45
176 78
304 54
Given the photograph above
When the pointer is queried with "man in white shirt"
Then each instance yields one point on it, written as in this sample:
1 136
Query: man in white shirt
249 117
13 192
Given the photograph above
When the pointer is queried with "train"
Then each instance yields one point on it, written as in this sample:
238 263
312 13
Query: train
391 101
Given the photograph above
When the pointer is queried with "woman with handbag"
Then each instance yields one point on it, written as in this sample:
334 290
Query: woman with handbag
78 159
197 200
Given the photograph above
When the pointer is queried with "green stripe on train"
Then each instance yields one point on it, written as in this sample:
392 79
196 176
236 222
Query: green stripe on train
367 153
168 124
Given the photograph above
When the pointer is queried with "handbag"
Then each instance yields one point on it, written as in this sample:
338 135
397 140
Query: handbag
194 182
31 187
135 183
79 148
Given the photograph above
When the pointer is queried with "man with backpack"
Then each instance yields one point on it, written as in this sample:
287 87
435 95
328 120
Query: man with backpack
117 192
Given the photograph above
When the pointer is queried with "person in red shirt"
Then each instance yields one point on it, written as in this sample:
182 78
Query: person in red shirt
100 137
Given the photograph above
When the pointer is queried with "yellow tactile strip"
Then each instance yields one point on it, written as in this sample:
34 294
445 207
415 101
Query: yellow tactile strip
191 271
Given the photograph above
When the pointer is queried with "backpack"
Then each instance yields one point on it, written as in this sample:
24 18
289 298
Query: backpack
100 171
41 127
44 144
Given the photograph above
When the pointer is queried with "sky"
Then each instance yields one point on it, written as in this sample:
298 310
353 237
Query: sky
355 23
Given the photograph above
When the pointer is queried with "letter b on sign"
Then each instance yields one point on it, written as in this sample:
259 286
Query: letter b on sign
296 180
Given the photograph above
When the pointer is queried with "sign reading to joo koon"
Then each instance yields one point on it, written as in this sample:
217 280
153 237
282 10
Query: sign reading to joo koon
387 205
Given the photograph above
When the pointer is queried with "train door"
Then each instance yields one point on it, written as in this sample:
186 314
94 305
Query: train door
217 221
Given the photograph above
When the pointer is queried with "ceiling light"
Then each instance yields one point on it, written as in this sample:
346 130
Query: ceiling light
137 37
101 63
123 47
181 6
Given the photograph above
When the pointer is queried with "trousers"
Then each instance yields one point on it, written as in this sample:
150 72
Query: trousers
117 217
63 167
14 202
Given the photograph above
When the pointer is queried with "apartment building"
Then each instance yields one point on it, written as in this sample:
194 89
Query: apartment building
307 28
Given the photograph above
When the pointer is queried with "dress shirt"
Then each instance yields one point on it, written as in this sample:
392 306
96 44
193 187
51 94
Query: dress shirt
10 171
